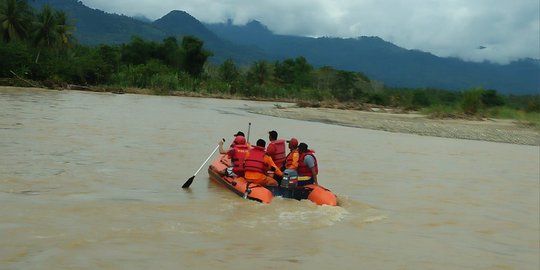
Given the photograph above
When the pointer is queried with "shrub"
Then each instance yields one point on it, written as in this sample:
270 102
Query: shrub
471 102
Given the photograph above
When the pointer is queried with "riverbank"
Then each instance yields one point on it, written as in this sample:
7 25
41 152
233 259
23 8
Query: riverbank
494 130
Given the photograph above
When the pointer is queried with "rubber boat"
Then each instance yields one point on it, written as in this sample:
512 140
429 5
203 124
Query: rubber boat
315 193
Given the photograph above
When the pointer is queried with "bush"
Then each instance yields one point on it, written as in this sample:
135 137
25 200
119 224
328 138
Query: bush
378 99
16 57
471 102
490 98
420 99
533 105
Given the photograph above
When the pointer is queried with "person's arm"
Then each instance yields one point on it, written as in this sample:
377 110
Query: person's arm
314 176
295 158
268 160
221 150
310 162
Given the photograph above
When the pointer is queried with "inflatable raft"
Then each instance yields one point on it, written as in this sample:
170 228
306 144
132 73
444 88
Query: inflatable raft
315 193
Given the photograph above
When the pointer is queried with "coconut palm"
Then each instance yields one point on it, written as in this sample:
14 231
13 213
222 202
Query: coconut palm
51 29
63 29
15 19
45 33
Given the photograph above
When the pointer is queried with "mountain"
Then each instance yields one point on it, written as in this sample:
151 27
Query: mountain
95 27
179 23
378 59
384 61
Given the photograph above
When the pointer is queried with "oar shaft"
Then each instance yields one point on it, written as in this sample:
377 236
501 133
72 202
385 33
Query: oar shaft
202 165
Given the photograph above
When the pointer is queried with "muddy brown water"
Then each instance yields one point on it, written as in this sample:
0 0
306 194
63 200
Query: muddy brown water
92 181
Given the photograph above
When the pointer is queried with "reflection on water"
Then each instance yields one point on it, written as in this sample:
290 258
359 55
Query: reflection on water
92 181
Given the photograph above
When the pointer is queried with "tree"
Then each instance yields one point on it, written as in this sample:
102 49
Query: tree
15 19
302 72
169 52
259 73
228 71
284 71
64 30
420 99
344 85
16 57
194 56
138 51
490 98
294 72
51 29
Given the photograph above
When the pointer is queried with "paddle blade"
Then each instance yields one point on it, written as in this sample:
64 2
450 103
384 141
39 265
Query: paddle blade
188 182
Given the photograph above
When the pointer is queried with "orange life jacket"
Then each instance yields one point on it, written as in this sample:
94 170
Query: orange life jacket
279 155
239 155
303 169
255 161
289 159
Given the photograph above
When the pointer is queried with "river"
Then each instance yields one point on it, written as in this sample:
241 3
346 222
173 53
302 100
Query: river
93 181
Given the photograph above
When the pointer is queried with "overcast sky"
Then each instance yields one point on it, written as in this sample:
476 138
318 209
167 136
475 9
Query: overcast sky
495 30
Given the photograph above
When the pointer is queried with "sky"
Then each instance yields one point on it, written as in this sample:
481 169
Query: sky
498 31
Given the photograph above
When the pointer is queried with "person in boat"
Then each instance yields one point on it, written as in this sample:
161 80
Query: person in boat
307 166
239 133
291 161
257 163
236 153
276 148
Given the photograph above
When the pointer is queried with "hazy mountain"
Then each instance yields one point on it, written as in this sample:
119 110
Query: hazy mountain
180 23
382 60
379 59
95 27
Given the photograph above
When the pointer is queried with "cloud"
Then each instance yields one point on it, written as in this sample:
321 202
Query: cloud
508 30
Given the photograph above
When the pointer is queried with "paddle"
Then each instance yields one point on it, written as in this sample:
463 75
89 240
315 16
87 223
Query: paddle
249 128
190 180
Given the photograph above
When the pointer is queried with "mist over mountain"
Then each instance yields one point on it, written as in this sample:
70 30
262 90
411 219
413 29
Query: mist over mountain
245 44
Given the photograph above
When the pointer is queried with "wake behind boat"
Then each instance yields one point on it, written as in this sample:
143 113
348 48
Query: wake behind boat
315 193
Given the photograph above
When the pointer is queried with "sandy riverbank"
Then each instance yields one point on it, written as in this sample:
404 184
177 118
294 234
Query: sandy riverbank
495 130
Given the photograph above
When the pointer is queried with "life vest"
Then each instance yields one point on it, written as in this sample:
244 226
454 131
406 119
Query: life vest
239 155
279 155
255 161
289 159
303 169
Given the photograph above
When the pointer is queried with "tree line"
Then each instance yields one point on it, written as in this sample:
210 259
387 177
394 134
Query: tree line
38 45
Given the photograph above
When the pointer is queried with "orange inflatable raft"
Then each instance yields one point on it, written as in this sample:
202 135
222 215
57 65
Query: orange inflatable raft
315 193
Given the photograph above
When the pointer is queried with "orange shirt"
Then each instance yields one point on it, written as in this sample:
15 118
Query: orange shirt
258 176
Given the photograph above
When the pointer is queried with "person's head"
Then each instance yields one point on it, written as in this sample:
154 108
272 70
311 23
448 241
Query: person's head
239 133
272 135
239 140
261 143
302 147
293 143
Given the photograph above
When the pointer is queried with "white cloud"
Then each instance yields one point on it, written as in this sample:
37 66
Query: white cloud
508 29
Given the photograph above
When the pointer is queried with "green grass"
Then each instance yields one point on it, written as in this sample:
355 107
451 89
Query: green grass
530 118
504 112
442 111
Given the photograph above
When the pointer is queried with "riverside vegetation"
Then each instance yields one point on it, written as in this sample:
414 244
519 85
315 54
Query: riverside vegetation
37 48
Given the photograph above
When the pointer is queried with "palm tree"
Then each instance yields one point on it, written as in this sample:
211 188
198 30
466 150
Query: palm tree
51 29
64 29
45 32
15 19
